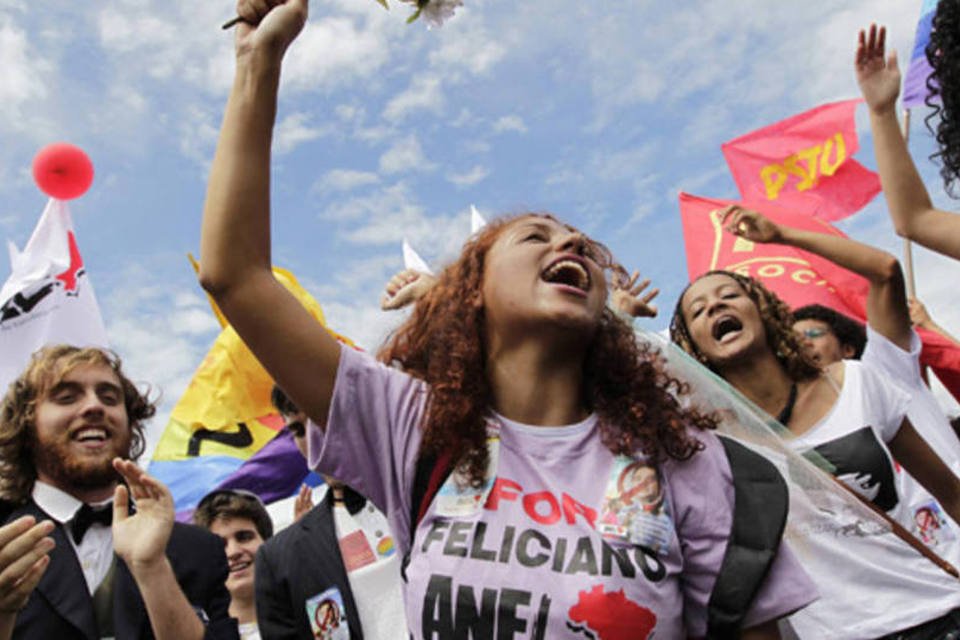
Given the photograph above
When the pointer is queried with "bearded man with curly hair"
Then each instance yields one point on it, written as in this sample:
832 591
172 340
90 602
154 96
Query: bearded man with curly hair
77 560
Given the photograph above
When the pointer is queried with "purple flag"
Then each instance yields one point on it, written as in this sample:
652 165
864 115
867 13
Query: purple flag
915 89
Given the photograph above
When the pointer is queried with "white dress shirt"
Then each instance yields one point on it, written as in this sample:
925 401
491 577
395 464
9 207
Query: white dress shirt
95 553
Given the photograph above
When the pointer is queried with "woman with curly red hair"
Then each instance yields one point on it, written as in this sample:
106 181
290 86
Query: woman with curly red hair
850 419
583 498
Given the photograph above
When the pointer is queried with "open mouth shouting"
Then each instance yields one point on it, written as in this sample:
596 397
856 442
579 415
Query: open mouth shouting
569 272
726 329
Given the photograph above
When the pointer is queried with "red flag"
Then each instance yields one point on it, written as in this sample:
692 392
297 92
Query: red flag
797 276
805 163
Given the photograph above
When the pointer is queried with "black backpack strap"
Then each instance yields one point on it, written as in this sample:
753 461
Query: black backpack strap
429 475
761 503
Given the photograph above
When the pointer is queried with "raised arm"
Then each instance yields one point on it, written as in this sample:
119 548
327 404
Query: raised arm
235 264
887 309
913 214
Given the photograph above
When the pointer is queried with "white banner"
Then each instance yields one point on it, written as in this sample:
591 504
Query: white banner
48 298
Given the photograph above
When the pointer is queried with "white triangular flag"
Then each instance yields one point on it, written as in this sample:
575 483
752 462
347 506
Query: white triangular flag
476 220
48 298
412 259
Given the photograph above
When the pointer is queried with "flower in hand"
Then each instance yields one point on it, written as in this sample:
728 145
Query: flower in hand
433 11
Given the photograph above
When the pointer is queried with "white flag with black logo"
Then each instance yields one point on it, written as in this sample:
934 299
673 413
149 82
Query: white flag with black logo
48 298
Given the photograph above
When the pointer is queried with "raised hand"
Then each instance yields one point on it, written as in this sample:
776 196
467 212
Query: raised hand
629 298
406 287
24 545
269 25
878 77
303 503
750 225
141 539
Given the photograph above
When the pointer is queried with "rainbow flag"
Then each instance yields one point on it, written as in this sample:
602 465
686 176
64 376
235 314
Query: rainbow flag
915 85
224 431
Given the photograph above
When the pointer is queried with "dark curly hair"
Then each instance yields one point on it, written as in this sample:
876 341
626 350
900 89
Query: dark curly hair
777 323
47 367
943 85
849 332
625 382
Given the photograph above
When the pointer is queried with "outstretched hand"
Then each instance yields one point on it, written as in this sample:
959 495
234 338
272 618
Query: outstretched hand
878 77
629 298
750 225
24 545
406 287
269 25
141 539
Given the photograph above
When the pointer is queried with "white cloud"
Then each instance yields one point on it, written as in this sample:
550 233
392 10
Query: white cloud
424 95
345 180
26 75
406 155
510 123
334 50
293 131
471 177
467 45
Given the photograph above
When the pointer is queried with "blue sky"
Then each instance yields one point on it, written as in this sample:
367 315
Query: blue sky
599 112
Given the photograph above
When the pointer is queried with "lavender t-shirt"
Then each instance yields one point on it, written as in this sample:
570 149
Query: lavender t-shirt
530 561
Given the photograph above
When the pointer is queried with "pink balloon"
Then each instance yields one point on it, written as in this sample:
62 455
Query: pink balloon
62 171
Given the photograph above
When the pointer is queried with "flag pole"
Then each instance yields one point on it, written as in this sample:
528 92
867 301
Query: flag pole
907 244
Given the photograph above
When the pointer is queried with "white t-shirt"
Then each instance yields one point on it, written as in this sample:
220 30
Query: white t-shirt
926 519
892 587
372 563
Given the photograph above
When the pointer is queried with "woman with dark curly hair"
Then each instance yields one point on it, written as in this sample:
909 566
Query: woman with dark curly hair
849 417
911 209
583 498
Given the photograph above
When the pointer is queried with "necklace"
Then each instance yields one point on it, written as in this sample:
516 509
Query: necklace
787 411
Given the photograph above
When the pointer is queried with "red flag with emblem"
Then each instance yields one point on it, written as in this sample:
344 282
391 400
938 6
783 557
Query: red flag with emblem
805 163
797 276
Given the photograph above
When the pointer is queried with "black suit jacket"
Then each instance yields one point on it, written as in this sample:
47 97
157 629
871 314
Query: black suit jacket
298 563
61 607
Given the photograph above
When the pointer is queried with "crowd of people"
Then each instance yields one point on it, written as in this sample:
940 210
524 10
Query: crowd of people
513 461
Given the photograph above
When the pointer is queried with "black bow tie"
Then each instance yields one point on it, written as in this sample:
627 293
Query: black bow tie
86 516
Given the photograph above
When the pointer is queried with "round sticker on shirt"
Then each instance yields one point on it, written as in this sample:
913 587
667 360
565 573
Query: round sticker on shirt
328 619
385 547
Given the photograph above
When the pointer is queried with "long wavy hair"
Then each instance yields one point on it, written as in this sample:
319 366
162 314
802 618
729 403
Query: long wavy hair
17 415
943 85
624 380
777 324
